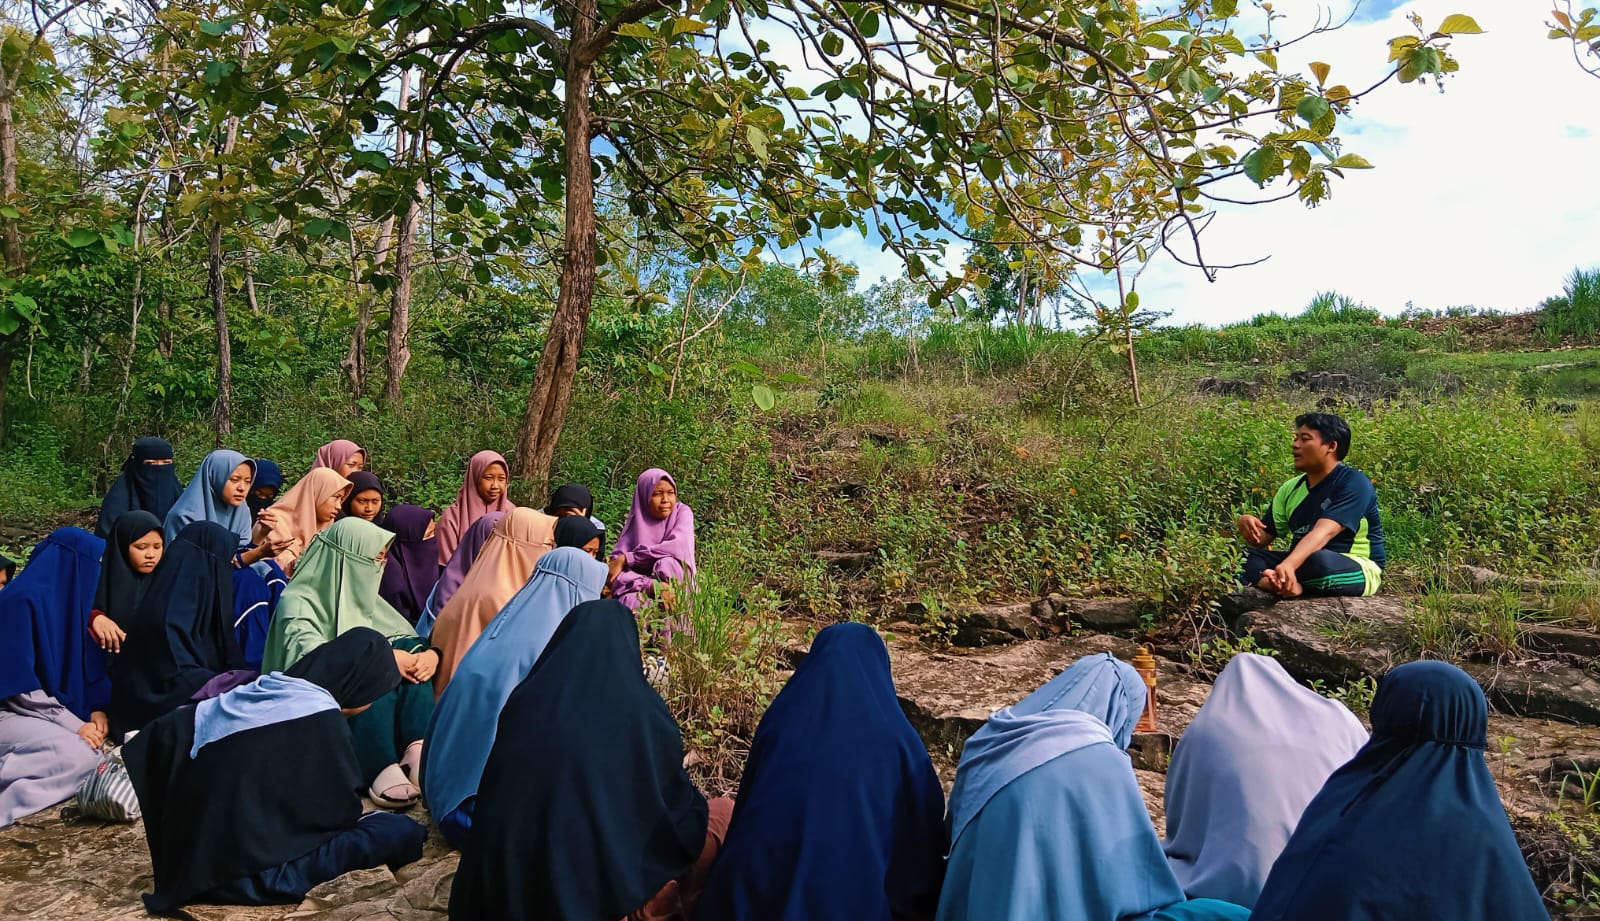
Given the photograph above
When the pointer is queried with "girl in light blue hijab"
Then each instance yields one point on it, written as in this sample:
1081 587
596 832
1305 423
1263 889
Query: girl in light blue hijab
1046 818
215 495
468 713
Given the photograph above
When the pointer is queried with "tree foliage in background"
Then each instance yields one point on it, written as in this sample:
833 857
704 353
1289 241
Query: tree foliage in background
698 118
1581 29
251 163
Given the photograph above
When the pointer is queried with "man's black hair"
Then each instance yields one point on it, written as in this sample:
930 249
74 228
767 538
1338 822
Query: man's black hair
1330 427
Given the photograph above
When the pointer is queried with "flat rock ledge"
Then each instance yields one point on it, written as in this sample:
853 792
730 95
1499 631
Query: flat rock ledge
1338 640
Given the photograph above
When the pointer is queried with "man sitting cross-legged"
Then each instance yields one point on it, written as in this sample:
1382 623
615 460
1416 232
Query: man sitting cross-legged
1329 511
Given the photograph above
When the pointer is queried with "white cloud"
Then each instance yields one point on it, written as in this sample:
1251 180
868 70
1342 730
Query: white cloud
1483 195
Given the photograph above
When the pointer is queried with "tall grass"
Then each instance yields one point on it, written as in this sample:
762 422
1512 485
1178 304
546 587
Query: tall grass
1575 313
723 668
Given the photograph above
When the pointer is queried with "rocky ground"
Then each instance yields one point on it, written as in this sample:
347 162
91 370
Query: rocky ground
1544 741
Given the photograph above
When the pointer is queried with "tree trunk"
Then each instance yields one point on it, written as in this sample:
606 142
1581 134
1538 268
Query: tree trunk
216 287
355 361
219 307
355 357
1127 328
135 309
86 363
558 363
399 346
250 285
10 235
169 233
1022 297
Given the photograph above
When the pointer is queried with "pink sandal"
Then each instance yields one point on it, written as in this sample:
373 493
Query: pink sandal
393 790
411 761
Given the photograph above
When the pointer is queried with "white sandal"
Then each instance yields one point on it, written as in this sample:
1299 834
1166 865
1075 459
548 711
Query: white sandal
393 780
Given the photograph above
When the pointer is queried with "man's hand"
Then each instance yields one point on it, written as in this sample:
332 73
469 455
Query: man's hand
1283 577
1254 531
106 632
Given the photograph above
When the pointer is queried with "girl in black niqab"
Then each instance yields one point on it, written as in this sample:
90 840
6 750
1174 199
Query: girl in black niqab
255 797
147 482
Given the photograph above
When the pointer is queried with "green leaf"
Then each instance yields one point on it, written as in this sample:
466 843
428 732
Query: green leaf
367 405
1262 165
109 241
655 370
1352 161
1312 108
81 237
218 71
982 94
992 168
764 397
758 141
10 212
1459 24
832 44
685 24
318 227
745 367
636 30
216 28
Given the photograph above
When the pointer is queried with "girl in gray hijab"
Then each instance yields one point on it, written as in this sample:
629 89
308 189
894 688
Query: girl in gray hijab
1254 756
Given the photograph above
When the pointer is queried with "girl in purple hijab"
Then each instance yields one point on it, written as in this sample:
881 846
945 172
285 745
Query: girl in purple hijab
413 566
656 547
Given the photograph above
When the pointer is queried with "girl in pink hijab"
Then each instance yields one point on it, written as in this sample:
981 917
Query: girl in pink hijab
656 547
484 491
343 457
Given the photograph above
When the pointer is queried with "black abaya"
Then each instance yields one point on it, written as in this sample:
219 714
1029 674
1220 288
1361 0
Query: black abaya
584 811
182 634
261 798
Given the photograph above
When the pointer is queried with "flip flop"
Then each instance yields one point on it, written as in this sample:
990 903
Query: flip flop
391 789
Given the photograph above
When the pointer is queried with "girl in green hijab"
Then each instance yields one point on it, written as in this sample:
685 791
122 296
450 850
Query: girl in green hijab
334 589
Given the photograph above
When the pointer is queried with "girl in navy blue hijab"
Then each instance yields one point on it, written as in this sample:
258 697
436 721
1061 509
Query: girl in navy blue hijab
265 487
147 483
840 814
53 687
1412 827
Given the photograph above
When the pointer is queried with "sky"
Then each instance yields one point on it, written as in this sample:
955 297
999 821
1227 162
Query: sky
1483 196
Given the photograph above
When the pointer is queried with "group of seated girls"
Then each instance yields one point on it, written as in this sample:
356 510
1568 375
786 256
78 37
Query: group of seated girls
200 600
549 760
